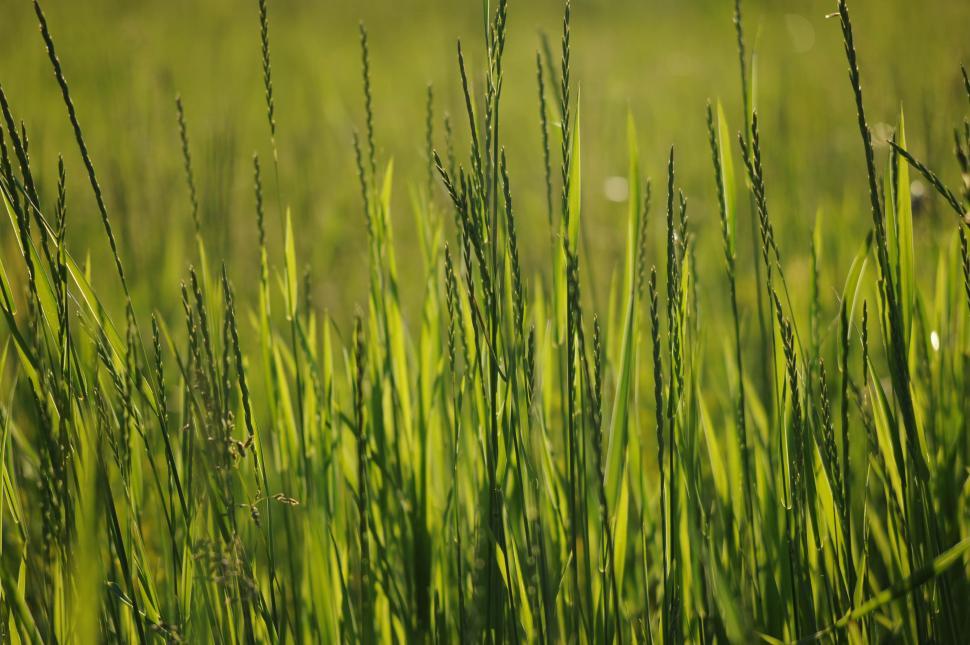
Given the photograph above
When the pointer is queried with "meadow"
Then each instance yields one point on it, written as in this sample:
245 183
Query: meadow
591 322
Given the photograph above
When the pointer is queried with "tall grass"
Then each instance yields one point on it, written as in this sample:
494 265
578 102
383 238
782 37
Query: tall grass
505 468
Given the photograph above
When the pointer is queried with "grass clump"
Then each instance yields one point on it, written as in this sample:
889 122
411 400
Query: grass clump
505 467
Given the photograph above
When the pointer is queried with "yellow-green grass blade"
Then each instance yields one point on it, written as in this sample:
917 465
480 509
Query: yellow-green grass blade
290 260
619 422
904 234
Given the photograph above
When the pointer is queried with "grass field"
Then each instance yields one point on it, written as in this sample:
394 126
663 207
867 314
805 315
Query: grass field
618 322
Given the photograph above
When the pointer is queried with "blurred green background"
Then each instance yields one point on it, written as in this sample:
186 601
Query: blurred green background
660 59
